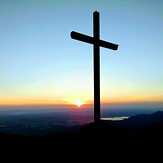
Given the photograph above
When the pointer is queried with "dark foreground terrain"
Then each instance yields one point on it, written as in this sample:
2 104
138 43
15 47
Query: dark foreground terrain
139 138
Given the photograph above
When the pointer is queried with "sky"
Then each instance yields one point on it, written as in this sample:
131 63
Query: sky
40 63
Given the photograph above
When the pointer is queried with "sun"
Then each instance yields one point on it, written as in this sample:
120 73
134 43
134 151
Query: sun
78 102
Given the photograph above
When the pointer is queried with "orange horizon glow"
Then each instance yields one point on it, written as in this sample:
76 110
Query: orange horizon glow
75 102
82 101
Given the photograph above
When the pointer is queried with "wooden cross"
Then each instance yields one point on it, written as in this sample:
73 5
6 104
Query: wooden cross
95 40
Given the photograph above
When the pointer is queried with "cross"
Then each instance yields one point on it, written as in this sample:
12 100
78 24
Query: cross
95 40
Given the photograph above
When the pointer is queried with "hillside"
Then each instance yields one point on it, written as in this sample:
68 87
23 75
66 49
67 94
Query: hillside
141 135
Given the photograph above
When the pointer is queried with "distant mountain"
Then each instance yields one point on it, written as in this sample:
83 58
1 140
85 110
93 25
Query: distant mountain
146 118
142 123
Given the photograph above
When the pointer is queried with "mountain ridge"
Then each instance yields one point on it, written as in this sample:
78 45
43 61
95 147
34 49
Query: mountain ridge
115 138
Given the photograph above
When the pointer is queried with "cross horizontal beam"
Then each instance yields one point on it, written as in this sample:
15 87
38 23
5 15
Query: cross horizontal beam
91 40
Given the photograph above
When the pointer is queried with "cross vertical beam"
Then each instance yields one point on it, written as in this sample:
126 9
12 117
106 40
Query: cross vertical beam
96 56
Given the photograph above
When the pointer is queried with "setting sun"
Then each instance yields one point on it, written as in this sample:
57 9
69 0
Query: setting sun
78 102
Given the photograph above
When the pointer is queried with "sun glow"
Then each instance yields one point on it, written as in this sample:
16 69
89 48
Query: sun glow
78 102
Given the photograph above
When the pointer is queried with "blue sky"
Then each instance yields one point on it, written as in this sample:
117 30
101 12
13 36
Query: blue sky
40 63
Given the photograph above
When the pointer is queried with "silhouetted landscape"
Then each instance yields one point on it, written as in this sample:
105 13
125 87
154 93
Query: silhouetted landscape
81 81
140 136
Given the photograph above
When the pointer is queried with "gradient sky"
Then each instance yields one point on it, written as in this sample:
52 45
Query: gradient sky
41 64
